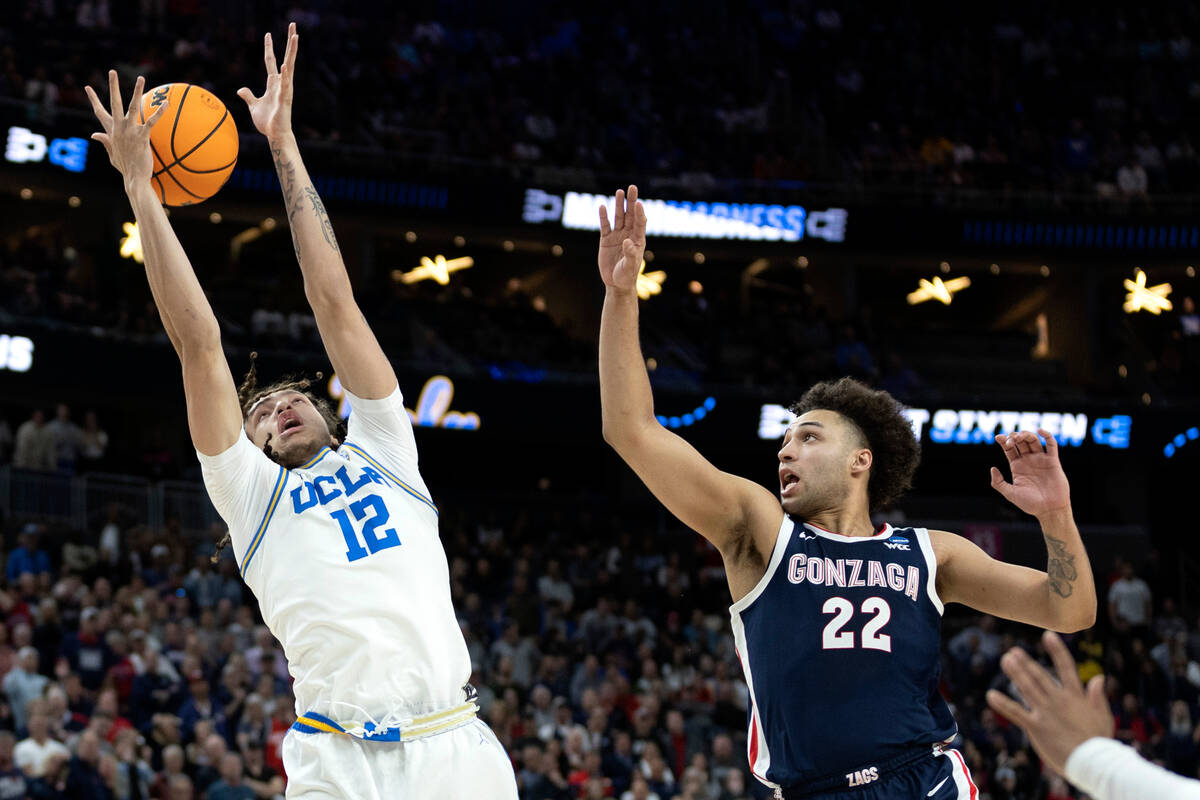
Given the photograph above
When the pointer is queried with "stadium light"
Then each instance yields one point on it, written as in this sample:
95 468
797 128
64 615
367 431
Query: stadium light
649 283
937 289
131 244
1141 297
436 268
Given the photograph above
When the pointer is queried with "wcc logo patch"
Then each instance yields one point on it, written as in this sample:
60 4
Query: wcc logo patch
897 543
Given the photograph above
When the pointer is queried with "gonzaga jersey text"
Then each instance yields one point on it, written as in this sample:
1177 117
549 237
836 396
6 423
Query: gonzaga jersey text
344 557
839 642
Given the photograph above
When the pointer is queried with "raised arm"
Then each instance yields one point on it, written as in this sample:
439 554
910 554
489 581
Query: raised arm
352 348
214 415
738 516
1063 598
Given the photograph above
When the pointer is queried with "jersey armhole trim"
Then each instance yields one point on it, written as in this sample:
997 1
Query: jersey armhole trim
931 563
781 542
276 493
388 473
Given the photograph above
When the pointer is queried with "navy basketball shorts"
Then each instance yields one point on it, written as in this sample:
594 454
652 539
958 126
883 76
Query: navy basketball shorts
941 775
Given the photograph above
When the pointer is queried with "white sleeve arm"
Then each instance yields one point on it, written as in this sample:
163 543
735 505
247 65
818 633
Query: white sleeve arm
381 432
245 487
1109 770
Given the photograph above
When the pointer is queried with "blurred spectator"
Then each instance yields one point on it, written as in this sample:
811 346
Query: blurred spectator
231 785
39 755
155 689
853 358
173 763
84 778
27 557
1134 725
1189 319
86 653
639 790
132 776
1132 180
262 780
12 779
35 446
200 705
1182 739
203 584
91 14
6 441
42 95
207 760
22 684
900 380
67 438
552 587
109 545
1076 156
1129 601
179 787
93 441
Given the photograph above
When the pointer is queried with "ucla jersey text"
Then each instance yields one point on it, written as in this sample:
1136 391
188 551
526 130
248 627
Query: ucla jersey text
324 488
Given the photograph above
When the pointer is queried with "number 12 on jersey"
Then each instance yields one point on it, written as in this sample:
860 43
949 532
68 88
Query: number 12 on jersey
371 505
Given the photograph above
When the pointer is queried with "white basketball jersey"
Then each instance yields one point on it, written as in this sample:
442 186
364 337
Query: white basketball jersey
344 557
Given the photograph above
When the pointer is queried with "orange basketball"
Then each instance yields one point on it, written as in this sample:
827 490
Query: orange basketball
195 143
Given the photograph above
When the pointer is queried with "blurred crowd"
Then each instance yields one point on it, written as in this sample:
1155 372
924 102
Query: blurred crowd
56 445
1025 96
132 667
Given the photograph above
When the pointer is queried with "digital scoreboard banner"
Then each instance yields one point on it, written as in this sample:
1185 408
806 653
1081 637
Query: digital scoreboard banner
770 222
25 146
974 426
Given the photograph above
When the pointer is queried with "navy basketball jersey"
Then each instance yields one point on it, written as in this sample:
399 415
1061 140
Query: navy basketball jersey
840 644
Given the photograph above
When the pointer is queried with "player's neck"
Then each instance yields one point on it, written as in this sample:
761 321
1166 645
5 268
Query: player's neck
844 521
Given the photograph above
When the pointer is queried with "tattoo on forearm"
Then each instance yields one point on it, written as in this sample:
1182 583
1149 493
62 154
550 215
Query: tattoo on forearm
287 180
322 217
292 201
1061 567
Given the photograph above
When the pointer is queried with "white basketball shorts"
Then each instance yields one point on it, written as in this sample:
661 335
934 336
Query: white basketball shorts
465 763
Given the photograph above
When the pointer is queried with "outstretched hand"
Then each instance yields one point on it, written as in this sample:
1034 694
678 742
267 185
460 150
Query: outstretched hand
1039 485
1061 715
272 113
125 138
623 243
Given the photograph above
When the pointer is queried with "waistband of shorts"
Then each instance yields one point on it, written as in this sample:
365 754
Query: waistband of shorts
404 730
844 778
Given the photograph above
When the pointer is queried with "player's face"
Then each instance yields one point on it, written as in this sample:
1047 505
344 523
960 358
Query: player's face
814 463
295 427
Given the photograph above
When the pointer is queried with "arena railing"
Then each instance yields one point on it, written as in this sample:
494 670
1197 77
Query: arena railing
83 502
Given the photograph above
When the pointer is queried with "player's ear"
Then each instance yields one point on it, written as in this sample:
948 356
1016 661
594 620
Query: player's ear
861 461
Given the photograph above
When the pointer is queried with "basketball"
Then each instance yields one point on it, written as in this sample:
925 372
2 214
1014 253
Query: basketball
195 144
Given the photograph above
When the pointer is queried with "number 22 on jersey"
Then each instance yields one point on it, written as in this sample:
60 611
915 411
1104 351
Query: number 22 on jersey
834 638
373 514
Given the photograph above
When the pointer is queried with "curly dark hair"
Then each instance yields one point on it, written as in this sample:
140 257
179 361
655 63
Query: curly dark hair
250 393
885 431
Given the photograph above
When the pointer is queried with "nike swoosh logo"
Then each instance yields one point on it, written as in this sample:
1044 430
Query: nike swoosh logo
933 791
